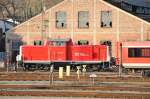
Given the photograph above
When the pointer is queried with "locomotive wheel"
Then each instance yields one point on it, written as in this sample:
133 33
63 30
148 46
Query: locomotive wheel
46 68
40 67
32 68
73 68
93 68
26 67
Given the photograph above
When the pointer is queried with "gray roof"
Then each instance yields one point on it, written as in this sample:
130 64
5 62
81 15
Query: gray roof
142 3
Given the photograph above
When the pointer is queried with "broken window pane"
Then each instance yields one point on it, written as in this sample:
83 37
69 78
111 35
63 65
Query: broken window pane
106 19
83 19
61 19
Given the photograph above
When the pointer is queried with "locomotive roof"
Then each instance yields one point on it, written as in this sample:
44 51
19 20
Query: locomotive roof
136 44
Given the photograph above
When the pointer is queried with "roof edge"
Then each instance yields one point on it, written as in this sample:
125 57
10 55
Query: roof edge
123 11
39 14
146 22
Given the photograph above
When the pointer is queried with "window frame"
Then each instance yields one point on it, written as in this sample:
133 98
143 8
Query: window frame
101 19
87 23
57 20
138 52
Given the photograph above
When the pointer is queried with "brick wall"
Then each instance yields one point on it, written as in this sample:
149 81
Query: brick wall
125 27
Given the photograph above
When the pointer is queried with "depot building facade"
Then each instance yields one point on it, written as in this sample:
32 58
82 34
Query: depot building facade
92 20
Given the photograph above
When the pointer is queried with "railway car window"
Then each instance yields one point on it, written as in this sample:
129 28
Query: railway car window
106 19
145 52
83 19
139 52
61 19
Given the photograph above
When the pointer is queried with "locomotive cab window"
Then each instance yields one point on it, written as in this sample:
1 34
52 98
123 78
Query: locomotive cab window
139 52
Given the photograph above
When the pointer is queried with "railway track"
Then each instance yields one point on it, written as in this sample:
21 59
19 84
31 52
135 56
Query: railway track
106 85
110 77
76 91
76 94
74 87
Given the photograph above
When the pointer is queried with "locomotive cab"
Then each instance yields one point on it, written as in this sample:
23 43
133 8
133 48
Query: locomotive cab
58 51
42 54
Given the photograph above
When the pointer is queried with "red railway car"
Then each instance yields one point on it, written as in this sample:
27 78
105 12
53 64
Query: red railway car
62 52
136 55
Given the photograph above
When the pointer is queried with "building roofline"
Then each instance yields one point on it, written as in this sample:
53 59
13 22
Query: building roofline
99 0
39 14
123 11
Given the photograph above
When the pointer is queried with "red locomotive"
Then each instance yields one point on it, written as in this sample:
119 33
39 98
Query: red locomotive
62 52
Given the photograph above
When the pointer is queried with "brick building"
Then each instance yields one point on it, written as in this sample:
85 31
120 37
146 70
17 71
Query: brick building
92 20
